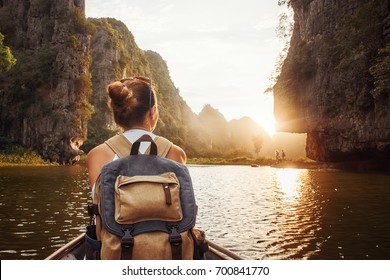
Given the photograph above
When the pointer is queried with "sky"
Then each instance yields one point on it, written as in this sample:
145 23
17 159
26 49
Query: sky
219 52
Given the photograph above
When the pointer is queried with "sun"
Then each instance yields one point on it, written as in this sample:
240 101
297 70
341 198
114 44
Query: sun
269 124
263 113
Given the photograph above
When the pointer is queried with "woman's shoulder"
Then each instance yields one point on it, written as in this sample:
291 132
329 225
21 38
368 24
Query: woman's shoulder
176 153
100 153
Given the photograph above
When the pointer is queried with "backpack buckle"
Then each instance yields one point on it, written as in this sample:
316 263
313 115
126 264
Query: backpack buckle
175 241
127 243
127 239
174 236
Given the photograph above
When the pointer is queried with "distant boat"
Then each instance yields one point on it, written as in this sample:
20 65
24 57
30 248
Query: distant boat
254 165
75 250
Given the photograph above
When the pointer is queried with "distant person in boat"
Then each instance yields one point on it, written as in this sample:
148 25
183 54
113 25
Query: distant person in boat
134 105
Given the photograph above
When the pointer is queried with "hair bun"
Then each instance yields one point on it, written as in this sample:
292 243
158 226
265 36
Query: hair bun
118 93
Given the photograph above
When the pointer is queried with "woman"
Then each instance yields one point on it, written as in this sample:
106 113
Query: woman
134 105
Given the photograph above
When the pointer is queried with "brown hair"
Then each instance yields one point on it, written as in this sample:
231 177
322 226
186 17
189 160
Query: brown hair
131 100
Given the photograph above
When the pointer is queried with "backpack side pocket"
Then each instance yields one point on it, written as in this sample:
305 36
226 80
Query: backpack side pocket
200 243
92 245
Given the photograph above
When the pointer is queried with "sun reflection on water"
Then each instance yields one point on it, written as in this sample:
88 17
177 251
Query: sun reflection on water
289 181
295 217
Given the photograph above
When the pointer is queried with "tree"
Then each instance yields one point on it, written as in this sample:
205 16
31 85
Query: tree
258 143
7 60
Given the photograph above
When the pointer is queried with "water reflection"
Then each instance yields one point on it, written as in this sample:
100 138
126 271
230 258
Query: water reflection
41 209
294 217
289 181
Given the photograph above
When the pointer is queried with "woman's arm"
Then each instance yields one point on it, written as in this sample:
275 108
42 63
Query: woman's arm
96 158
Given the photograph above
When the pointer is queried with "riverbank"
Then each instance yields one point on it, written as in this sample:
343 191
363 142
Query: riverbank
12 154
29 158
370 166
265 161
308 164
230 161
367 166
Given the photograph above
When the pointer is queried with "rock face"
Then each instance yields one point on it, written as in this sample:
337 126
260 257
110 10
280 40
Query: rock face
43 99
334 85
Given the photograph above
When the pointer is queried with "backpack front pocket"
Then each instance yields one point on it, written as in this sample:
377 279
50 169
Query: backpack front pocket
146 198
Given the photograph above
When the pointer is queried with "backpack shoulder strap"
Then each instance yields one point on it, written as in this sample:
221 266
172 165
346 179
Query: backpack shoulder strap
163 145
121 146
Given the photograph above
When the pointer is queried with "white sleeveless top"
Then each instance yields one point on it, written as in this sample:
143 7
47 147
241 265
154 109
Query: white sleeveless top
133 135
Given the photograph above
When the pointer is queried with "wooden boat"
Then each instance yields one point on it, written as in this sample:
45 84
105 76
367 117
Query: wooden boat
75 250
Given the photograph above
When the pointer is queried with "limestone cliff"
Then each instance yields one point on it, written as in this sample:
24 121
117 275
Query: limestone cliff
334 84
43 99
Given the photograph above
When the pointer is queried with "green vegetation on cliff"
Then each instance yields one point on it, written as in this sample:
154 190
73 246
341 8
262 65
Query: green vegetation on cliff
360 32
380 71
44 101
7 60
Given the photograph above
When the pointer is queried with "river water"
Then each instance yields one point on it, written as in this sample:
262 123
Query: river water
259 213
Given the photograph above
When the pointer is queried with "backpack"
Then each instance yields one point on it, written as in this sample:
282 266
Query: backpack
144 206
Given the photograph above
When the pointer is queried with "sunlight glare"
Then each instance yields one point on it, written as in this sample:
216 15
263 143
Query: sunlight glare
269 125
265 118
288 180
